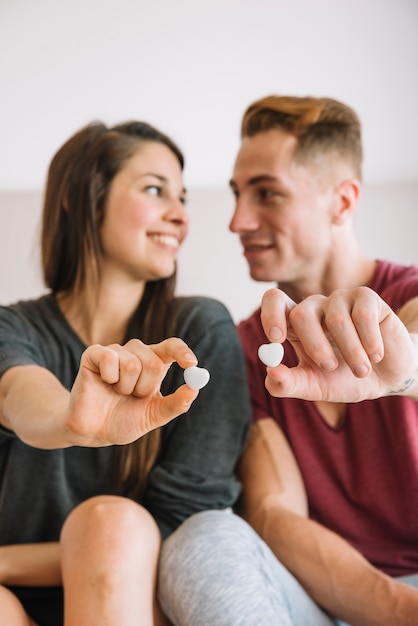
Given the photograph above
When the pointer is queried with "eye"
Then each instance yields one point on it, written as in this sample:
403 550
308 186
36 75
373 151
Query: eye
265 194
153 190
269 197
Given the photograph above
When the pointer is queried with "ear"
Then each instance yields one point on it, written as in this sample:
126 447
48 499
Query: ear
348 194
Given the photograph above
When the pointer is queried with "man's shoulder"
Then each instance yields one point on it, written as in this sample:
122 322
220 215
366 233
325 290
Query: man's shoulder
395 283
387 272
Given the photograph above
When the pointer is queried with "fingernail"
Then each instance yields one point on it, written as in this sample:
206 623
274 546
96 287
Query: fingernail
189 356
361 371
275 333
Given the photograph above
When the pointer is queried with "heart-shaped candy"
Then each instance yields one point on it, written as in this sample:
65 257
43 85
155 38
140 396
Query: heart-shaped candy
271 354
196 377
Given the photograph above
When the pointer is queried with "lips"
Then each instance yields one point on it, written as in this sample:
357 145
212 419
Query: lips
166 240
255 247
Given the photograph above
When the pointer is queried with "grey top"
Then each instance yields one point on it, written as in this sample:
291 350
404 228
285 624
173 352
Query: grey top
195 471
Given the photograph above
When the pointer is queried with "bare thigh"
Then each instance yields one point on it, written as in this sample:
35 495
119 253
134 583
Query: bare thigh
12 611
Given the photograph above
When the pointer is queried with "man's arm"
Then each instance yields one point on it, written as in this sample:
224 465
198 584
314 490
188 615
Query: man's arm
332 572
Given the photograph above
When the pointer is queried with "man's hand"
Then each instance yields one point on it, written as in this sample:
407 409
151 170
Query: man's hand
351 346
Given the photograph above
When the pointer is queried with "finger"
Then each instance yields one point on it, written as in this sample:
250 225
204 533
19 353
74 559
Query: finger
353 319
133 366
150 369
168 407
285 382
102 360
369 311
306 327
174 350
274 305
340 323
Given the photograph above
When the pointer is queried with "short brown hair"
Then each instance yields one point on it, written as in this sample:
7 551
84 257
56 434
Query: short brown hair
321 125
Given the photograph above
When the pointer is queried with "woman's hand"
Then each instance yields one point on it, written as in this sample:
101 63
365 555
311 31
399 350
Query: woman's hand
116 396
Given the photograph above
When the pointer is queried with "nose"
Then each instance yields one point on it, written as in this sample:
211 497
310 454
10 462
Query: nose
176 213
244 219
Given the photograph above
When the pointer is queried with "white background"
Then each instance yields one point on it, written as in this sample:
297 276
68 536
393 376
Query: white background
191 68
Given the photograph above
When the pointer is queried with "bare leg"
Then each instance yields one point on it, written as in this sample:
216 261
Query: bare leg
110 550
12 612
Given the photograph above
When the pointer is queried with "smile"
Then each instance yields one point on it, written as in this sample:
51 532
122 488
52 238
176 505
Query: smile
166 240
255 248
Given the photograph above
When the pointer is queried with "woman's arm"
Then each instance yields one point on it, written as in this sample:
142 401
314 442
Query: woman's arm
33 565
115 398
334 574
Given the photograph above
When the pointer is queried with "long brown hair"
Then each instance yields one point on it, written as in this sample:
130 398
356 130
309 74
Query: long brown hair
78 183
321 125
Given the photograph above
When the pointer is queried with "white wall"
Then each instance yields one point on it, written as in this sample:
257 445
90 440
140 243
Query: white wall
191 67
211 261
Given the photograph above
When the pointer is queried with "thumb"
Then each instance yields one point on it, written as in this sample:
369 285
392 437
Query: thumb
173 405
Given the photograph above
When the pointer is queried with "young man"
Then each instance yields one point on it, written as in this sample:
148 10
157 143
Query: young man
331 471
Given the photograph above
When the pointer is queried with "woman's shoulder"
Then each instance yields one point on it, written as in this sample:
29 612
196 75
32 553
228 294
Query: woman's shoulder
27 310
39 321
200 318
201 307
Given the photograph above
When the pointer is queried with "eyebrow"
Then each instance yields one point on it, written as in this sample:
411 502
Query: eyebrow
263 178
163 179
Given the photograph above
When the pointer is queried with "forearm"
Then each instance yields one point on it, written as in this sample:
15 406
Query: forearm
334 574
33 565
34 405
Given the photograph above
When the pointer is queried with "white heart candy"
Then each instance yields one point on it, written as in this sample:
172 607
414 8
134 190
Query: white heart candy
196 377
271 354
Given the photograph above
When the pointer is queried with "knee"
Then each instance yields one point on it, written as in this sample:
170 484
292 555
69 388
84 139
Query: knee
206 537
112 521
217 527
207 560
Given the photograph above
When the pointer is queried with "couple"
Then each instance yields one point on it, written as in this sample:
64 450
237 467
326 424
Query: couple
100 484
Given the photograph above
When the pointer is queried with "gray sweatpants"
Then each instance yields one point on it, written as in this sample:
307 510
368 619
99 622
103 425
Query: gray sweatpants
216 571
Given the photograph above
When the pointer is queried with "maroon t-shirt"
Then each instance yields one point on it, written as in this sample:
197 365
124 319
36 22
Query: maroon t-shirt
362 477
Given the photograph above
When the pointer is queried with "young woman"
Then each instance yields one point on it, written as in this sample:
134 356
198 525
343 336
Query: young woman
93 471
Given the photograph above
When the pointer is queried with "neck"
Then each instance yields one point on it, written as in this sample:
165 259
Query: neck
346 268
101 318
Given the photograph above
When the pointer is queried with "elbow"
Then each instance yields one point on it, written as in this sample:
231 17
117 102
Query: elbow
270 514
